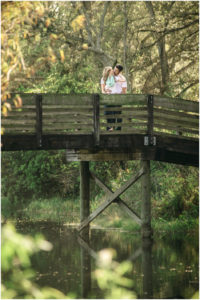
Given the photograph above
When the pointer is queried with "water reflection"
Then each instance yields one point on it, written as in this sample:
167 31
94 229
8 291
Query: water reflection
147 268
168 268
85 265
87 253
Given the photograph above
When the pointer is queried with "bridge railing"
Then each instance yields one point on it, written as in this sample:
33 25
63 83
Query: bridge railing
102 114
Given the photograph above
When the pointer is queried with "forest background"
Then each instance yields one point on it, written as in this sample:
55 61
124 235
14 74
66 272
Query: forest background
62 47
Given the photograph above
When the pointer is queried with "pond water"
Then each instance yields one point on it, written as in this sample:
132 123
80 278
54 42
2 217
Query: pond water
164 269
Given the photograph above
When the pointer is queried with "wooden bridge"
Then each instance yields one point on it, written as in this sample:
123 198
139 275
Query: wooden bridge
107 127
151 128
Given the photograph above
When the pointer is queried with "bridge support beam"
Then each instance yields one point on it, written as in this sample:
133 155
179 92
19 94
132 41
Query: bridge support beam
146 200
84 193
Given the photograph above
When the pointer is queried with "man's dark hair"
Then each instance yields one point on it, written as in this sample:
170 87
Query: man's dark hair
119 67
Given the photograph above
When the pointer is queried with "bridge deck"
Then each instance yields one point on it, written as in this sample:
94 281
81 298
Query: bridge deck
143 127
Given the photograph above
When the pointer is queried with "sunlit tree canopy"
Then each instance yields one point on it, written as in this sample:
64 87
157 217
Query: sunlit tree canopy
57 46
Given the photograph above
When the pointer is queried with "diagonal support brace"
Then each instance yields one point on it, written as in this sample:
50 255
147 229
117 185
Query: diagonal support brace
110 199
118 200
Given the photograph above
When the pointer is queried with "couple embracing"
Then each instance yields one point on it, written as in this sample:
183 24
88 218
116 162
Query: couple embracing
113 82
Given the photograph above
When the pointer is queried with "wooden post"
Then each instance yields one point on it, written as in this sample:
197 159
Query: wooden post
146 200
84 213
147 268
38 103
84 192
85 269
96 119
150 140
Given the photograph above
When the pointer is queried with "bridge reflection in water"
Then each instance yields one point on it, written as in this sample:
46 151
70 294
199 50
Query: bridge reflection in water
87 254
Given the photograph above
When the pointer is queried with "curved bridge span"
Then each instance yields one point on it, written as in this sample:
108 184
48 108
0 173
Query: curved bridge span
105 127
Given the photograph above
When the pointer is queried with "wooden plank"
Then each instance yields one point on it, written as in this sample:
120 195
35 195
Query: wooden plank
16 118
74 109
67 132
19 126
24 109
158 126
91 252
66 120
124 131
177 104
125 125
70 118
96 118
125 119
17 121
61 108
135 255
124 109
72 99
110 199
64 106
61 126
177 100
129 211
126 116
122 99
184 123
117 146
85 99
26 98
107 156
175 114
119 201
18 131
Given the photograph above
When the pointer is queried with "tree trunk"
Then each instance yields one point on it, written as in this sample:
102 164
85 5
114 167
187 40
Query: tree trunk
161 50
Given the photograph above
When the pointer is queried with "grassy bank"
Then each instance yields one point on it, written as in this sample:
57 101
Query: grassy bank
68 212
53 210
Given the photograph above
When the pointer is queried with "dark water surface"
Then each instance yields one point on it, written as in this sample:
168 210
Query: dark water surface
164 269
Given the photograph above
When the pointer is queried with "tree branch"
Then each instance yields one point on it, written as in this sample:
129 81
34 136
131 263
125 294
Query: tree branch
101 27
165 32
88 24
187 88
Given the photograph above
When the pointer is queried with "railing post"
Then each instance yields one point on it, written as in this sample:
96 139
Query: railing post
96 119
150 140
38 103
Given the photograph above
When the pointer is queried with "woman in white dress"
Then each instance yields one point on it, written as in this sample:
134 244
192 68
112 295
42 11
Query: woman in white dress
112 82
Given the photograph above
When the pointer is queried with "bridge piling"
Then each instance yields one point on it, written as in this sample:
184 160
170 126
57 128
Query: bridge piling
84 193
146 230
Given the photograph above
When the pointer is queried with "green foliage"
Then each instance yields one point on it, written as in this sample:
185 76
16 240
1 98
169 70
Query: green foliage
61 80
112 276
179 225
41 185
53 210
174 190
47 46
17 273
31 174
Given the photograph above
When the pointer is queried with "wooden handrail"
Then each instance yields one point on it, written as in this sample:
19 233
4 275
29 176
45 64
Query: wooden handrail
85 113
